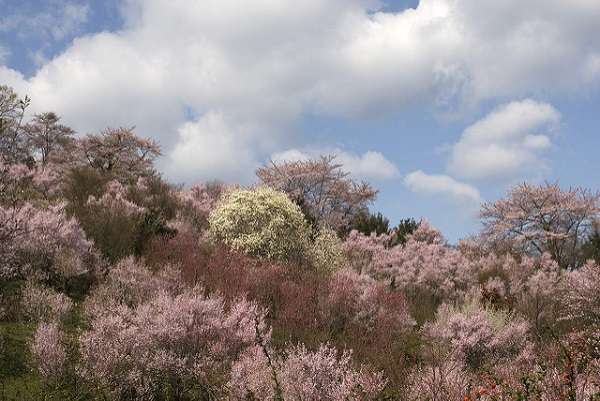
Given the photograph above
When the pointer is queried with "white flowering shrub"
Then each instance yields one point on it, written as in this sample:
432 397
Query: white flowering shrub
261 222
326 252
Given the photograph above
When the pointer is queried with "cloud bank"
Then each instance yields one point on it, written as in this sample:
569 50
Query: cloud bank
222 86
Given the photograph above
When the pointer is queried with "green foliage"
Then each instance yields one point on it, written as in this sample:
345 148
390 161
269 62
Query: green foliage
367 223
79 185
403 230
117 232
261 222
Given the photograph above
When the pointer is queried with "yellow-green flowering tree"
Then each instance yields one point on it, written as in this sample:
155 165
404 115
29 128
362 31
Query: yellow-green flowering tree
262 222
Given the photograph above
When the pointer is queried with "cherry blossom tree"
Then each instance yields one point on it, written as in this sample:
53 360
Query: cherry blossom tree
322 189
119 153
13 143
425 264
43 304
536 219
299 374
49 352
582 296
48 138
43 244
180 345
197 202
480 336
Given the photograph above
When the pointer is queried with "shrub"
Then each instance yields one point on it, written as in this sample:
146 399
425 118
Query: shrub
48 352
172 346
480 336
298 374
131 283
326 251
44 304
261 222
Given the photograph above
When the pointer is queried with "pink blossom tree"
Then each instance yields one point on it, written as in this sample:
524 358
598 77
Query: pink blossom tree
119 153
13 143
180 345
48 138
41 243
321 188
479 336
536 219
299 374
49 352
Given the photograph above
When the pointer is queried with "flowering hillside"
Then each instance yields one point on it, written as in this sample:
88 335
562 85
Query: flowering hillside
118 285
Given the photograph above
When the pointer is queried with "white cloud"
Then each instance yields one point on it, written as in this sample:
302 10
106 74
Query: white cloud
420 182
370 165
505 142
198 152
264 67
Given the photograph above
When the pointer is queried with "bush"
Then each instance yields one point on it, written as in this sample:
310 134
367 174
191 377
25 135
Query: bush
261 222
44 304
479 336
48 352
326 253
298 374
172 347
130 283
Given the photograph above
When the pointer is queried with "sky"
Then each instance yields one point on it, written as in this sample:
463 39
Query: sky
440 104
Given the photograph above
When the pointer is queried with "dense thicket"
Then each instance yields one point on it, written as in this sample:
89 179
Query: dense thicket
116 285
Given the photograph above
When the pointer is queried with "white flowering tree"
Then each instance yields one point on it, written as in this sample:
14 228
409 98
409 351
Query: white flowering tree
261 222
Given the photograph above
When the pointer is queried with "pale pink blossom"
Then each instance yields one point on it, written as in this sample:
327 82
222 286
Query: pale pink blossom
44 304
31 240
301 375
176 343
48 351
115 198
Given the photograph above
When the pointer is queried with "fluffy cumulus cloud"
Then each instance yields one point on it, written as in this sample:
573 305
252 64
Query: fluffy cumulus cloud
443 185
214 74
370 165
506 142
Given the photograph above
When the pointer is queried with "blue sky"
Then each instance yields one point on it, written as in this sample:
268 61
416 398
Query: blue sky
441 104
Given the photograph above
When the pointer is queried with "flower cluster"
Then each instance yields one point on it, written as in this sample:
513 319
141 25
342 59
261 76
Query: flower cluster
299 374
33 240
168 344
44 304
49 352
261 222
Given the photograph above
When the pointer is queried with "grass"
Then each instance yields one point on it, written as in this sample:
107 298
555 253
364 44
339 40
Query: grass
18 380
